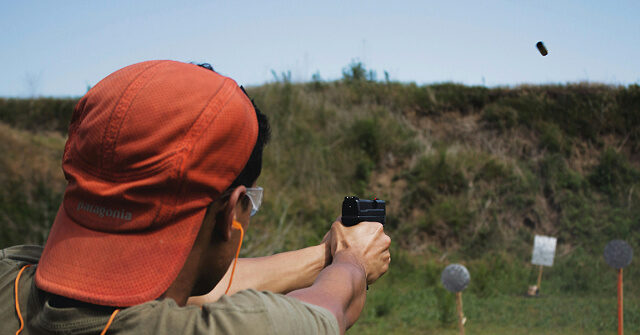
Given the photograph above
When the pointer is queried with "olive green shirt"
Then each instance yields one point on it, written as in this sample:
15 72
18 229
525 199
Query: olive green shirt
246 312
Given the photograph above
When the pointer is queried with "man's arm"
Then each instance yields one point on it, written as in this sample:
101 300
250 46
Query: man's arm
279 273
340 288
360 256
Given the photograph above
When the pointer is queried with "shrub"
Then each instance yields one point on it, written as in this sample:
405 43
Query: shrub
32 185
366 135
628 106
445 302
557 175
379 134
500 117
528 106
41 114
484 239
356 72
492 170
552 139
448 216
435 174
458 97
613 173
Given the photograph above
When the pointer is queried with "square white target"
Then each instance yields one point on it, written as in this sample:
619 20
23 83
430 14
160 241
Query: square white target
544 250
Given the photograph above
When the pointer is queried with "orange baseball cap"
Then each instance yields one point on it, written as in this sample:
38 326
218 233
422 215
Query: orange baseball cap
149 148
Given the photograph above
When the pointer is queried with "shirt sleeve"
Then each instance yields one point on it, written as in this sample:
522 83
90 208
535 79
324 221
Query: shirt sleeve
274 314
23 253
246 312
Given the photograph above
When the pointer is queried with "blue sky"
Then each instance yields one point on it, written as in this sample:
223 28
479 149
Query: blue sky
59 48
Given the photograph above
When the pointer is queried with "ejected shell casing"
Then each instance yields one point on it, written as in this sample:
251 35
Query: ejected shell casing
541 48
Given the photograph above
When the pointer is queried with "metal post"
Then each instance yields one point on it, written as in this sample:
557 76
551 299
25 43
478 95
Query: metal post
620 305
460 314
539 278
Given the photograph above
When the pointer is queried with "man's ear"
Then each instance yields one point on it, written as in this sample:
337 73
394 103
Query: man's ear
225 222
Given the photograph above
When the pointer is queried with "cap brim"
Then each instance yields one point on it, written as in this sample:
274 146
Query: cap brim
82 264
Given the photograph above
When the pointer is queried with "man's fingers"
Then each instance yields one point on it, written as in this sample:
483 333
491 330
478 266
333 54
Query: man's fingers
385 255
326 236
387 241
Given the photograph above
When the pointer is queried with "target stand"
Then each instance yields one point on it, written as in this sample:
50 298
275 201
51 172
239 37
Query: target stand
618 255
455 278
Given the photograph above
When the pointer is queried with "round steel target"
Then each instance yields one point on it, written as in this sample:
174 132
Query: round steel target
618 254
455 278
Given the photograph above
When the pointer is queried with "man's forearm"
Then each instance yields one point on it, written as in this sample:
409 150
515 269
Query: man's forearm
340 288
279 273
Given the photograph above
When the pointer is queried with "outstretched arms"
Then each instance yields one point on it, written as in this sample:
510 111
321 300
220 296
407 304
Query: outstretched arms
332 275
279 273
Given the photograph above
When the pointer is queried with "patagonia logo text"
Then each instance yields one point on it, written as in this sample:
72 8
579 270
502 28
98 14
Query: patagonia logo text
102 211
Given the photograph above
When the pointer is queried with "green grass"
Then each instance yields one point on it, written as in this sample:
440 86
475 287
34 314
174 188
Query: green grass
411 301
417 313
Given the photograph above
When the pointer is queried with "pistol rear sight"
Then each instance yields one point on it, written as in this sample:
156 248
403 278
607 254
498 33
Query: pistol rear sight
355 210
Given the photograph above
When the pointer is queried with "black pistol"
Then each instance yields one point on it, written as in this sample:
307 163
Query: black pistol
356 210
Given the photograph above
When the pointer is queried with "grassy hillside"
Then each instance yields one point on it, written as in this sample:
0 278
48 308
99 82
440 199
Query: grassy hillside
32 184
470 175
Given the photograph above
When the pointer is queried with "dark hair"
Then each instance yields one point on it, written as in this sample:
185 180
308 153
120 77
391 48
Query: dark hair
252 169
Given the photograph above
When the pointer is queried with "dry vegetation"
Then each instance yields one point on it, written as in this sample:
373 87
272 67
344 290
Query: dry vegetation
32 182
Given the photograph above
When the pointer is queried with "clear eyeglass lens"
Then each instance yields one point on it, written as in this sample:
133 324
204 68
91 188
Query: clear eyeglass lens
255 195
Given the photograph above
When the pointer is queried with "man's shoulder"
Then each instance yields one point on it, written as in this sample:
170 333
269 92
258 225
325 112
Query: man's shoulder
29 254
280 313
245 312
12 259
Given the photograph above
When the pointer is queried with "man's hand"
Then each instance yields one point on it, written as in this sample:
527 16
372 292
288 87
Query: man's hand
367 241
359 254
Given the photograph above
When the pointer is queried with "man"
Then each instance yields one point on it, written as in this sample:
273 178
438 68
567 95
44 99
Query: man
162 161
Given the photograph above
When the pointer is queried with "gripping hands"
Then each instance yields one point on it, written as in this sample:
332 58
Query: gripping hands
360 232
367 242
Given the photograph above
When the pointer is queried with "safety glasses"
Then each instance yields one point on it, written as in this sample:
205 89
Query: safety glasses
255 195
